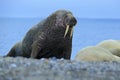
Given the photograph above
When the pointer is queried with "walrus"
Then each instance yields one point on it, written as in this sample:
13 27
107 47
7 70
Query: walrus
97 54
52 37
112 45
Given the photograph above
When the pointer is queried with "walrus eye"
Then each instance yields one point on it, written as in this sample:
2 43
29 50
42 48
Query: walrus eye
70 20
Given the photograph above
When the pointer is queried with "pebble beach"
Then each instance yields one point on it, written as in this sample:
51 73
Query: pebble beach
20 68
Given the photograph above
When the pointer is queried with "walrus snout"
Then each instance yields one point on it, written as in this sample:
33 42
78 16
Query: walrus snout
71 20
70 23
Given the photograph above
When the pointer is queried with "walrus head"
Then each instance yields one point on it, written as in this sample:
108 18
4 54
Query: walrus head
63 18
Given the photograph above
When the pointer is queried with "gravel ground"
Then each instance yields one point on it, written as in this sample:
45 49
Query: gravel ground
57 69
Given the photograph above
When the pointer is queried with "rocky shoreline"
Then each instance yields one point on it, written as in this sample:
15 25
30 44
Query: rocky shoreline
57 69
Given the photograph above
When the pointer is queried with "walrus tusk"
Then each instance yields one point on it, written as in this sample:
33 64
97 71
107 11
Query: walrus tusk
71 33
66 31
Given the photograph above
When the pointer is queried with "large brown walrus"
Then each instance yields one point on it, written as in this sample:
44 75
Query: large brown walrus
51 37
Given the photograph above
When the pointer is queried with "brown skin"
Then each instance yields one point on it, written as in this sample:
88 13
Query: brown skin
47 39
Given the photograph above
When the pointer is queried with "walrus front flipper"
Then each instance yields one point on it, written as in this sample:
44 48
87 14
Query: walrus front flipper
35 50
67 55
35 53
38 51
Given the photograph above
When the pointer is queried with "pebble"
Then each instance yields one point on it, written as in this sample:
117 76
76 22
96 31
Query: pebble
13 65
57 69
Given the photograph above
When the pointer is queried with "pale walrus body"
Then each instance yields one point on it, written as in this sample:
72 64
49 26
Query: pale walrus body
50 38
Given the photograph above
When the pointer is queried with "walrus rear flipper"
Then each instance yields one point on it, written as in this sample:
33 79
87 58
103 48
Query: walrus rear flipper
11 53
15 51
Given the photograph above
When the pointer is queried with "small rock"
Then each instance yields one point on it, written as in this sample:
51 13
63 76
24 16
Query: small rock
13 65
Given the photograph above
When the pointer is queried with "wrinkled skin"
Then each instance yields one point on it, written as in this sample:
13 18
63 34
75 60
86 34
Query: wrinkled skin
51 37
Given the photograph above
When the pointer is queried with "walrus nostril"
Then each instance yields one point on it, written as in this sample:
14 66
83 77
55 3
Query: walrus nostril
70 20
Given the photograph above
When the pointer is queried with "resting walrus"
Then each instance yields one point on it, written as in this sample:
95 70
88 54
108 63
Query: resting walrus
51 37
